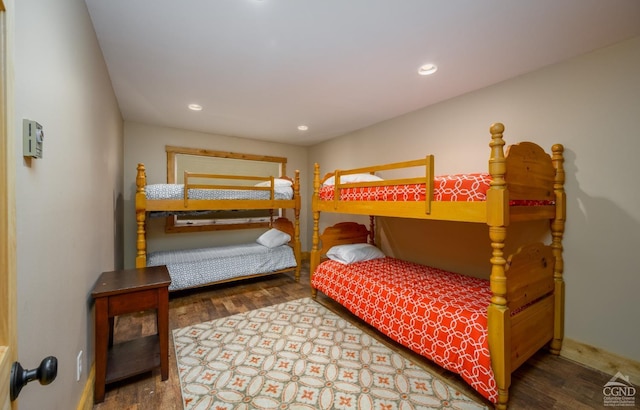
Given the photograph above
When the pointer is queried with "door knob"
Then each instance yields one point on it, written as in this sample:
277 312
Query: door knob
45 373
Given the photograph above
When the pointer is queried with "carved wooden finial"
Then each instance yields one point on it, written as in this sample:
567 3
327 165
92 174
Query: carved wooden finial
497 162
558 161
296 181
496 128
141 178
557 148
316 179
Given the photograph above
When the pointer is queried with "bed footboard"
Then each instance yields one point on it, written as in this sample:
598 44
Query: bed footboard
530 296
531 329
525 320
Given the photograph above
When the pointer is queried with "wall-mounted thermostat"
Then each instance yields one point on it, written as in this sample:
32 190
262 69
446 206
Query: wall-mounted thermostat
33 138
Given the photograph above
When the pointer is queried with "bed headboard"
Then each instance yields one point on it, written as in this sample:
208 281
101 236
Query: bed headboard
530 173
343 233
284 225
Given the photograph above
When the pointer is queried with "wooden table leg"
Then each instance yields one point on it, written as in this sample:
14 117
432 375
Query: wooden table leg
163 331
111 332
101 342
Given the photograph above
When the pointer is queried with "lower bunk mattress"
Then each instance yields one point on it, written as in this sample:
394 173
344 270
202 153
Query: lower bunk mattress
437 314
197 267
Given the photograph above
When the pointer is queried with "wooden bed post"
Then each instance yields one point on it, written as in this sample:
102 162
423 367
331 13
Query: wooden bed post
557 232
296 224
372 230
498 316
315 255
141 199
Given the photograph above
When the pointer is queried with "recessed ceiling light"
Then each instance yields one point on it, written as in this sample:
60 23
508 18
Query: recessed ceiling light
427 69
303 127
195 107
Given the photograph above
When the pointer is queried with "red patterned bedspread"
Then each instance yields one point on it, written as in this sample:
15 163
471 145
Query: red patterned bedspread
458 187
438 314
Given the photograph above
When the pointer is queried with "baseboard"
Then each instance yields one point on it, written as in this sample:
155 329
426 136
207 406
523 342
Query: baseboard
305 256
86 400
602 360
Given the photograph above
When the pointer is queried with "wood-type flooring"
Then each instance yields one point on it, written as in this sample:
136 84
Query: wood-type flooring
544 382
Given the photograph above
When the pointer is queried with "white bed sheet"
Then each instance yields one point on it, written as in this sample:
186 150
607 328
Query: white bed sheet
196 267
176 191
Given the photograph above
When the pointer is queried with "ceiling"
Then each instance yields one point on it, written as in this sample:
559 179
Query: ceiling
260 68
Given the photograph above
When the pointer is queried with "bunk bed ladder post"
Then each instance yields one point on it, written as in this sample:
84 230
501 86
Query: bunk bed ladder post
557 232
336 188
498 316
272 191
141 205
296 223
186 189
429 167
372 230
315 256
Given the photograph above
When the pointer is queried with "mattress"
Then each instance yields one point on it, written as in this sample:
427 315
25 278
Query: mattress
439 315
457 187
176 191
196 267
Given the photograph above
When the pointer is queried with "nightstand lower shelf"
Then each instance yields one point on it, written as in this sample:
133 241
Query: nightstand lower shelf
132 357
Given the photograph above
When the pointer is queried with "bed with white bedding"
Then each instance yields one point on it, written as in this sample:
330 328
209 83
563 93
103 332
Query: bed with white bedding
274 251
176 191
221 193
197 267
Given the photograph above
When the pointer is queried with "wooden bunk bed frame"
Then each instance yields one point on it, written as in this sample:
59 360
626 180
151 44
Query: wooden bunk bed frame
518 282
145 205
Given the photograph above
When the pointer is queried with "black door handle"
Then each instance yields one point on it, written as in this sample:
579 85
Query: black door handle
45 373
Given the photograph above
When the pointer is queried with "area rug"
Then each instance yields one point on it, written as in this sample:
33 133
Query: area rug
301 355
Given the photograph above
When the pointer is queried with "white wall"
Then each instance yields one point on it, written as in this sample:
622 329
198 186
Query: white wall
146 144
69 203
591 104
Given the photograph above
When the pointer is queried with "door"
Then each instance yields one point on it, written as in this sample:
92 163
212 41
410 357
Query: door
8 336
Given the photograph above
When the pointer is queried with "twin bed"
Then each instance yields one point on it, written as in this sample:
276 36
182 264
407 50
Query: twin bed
202 193
480 329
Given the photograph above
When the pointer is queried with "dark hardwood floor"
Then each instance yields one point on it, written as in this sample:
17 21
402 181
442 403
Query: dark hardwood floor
544 382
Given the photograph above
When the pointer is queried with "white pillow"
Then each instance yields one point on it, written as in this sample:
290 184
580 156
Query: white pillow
273 238
356 252
278 182
345 179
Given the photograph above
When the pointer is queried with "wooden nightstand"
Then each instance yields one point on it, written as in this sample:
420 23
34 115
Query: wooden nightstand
128 291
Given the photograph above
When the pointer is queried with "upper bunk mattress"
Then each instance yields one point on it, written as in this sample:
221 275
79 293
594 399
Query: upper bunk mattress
457 187
438 314
196 267
176 191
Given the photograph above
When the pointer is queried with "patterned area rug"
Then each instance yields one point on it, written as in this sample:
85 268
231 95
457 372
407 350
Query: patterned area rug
300 355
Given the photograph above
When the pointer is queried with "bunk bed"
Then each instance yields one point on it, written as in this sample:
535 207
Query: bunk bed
497 324
211 192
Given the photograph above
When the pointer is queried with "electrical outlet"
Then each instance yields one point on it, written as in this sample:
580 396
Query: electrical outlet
79 366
